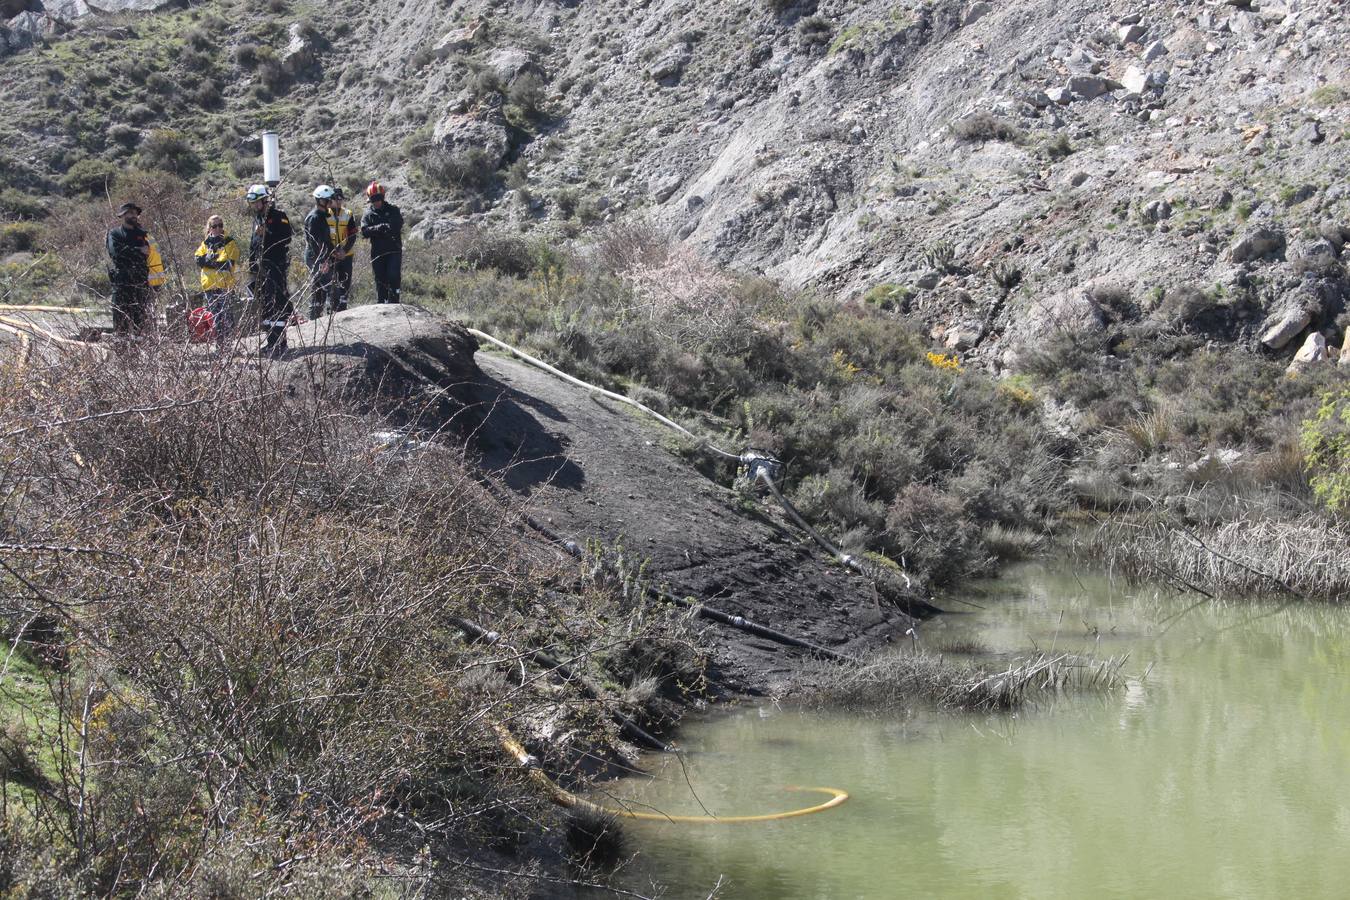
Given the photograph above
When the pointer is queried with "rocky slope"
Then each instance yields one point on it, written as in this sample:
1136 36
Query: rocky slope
1191 155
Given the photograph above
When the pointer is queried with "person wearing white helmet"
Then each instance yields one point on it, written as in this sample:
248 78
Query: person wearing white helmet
269 253
319 252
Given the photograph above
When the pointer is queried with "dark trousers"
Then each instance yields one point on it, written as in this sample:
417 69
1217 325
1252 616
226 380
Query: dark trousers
132 308
274 302
218 304
342 284
321 286
388 270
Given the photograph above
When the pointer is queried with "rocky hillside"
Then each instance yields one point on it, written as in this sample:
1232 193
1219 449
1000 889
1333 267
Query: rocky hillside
998 168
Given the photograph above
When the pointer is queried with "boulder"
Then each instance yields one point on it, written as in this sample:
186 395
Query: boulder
976 12
1278 330
1128 34
461 134
132 6
1257 242
1344 360
1136 80
1081 60
1313 351
457 40
65 11
1155 51
1089 87
1316 255
1060 95
507 63
962 338
300 53
670 65
664 187
1309 132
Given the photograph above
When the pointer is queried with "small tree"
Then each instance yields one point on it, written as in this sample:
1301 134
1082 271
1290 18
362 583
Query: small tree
1326 446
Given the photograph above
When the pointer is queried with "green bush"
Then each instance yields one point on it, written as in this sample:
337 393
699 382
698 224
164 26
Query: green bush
89 176
170 151
19 236
1325 440
18 205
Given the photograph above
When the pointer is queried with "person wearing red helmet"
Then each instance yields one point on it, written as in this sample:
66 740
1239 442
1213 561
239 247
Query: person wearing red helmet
382 225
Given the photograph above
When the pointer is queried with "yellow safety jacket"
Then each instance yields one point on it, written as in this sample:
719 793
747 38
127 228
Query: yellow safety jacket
221 262
155 263
342 224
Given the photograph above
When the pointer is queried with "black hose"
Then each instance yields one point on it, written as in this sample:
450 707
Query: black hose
707 612
630 729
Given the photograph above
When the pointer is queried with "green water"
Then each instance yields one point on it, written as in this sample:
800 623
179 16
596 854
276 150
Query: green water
1224 772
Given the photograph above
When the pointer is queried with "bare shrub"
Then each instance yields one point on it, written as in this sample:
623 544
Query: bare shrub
687 301
256 602
983 126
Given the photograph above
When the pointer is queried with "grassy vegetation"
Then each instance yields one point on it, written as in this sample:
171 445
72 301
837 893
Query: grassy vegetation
900 679
231 666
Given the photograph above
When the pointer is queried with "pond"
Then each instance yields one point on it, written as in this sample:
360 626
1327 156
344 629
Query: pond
1220 768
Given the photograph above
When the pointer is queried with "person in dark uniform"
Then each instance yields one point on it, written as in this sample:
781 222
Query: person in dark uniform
319 252
269 252
382 225
129 251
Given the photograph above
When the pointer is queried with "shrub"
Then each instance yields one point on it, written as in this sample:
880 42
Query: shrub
124 135
983 126
19 236
814 31
470 169
170 151
18 205
930 533
246 55
1325 440
527 94
89 176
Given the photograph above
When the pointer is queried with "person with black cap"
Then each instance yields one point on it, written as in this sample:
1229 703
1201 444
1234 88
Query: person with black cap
269 254
129 251
382 225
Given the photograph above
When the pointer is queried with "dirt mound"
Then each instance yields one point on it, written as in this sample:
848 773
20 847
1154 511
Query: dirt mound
591 469
412 366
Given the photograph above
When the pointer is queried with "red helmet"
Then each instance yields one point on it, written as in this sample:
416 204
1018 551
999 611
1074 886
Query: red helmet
374 189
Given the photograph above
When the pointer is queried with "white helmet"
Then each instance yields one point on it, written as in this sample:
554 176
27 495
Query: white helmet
256 192
323 192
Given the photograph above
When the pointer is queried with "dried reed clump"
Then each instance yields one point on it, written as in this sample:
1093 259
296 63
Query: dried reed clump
252 603
903 679
1303 557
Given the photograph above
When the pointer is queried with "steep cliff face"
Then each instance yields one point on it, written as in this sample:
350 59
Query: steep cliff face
992 164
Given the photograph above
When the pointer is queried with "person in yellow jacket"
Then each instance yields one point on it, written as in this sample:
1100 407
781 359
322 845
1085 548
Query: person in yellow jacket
343 226
155 263
218 261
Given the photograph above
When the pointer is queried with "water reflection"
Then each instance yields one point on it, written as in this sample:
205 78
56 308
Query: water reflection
1222 772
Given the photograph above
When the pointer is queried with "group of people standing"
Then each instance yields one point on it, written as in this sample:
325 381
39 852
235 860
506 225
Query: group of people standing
330 231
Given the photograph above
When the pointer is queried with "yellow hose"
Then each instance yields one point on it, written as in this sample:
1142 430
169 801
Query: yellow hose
64 309
566 798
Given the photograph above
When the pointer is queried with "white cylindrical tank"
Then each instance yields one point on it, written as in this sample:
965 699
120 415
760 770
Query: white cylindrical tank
271 147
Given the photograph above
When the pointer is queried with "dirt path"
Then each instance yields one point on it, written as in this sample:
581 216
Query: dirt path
592 468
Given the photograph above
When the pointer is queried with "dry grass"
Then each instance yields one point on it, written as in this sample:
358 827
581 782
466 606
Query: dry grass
1307 557
903 679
